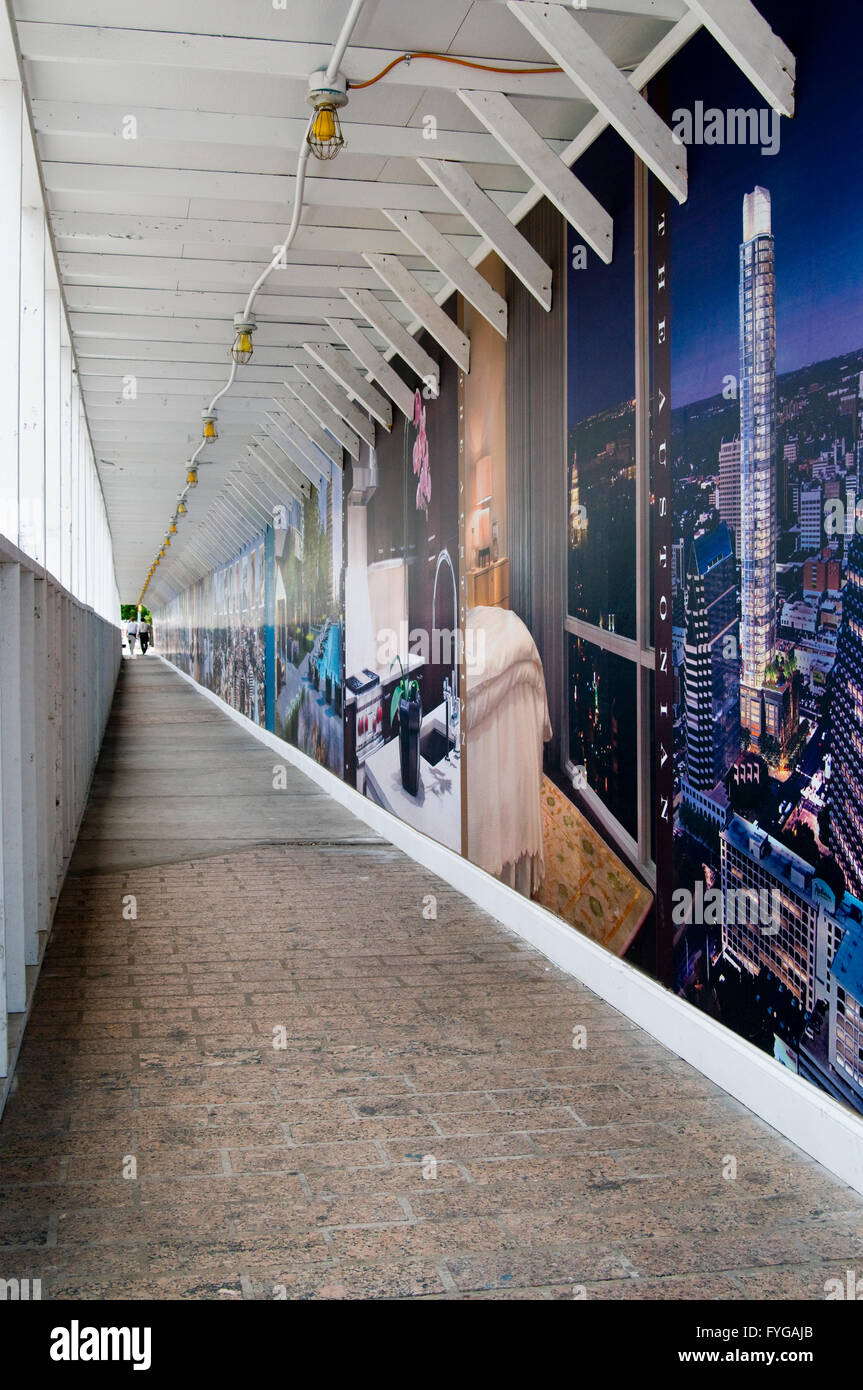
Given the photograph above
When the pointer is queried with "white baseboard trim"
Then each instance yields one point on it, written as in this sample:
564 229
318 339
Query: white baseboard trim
811 1119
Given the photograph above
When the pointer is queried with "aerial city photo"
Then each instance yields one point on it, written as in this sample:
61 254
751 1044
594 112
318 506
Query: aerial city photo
768 602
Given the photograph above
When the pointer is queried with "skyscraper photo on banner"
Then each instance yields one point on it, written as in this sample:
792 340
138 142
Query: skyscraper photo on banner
767 396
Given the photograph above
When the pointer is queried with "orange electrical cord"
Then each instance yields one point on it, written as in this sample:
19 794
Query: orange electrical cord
448 58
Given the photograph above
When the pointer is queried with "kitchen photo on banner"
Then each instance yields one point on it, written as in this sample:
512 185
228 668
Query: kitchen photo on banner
767 551
401 593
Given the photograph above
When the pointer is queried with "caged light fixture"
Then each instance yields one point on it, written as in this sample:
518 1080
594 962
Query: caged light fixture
192 477
324 136
244 327
209 420
181 509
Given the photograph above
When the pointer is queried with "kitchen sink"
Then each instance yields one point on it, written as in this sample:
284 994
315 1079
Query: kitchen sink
434 745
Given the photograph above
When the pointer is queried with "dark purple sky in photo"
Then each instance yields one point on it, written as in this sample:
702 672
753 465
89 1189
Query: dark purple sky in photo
816 186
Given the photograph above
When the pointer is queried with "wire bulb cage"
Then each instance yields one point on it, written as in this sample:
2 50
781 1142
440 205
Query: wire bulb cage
325 137
242 349
209 425
192 477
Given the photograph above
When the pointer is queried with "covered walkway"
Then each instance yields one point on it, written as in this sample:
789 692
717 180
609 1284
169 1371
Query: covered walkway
427 1129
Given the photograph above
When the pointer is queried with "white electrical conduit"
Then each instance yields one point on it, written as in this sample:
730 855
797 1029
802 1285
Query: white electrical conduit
278 259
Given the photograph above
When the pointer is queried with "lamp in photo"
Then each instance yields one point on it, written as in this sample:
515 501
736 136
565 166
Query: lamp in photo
192 476
209 419
482 511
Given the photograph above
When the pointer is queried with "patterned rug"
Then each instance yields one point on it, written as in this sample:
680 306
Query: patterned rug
585 882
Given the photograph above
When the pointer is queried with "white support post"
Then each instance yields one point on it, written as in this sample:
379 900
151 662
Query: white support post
39 701
10 307
12 827
396 276
31 442
493 226
568 43
53 414
522 143
64 573
451 263
355 339
29 791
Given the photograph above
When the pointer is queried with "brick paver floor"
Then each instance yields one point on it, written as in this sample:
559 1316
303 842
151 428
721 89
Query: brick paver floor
426 1130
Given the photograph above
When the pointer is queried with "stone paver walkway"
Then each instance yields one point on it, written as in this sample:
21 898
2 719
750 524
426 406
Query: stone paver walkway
427 1128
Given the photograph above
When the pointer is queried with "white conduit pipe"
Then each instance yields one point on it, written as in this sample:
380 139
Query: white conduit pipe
299 189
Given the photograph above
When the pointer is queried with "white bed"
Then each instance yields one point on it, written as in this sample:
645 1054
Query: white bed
506 726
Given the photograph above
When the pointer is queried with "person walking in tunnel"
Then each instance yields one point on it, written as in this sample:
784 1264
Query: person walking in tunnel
143 635
131 634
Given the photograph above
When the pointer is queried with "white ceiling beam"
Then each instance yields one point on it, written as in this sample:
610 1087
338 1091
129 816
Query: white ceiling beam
262 488
104 122
122 233
284 433
310 428
669 45
548 172
423 308
326 417
232 186
278 476
202 304
759 53
270 336
333 396
239 483
354 338
88 45
339 367
229 277
277 461
452 265
396 337
496 229
569 45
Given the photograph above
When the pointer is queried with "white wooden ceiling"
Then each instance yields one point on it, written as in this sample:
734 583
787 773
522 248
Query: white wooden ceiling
160 237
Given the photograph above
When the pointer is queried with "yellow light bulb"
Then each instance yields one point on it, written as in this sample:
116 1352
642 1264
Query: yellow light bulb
210 429
173 529
192 478
324 125
242 349
182 509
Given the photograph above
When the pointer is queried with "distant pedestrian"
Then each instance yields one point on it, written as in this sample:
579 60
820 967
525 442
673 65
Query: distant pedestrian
144 635
131 634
